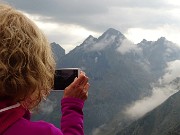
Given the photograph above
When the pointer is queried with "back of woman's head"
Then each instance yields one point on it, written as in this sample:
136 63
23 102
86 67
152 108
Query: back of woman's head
26 61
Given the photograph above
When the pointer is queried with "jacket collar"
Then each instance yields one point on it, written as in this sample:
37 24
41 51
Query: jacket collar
10 112
10 107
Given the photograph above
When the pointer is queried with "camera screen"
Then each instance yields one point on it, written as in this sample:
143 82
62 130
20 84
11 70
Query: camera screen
64 77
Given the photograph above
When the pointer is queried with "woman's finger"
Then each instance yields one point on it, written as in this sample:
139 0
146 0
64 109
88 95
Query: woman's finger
86 87
81 80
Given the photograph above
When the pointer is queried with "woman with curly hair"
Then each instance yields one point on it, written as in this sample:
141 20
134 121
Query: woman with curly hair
27 70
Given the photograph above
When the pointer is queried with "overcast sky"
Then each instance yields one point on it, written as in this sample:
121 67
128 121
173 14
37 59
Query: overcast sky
69 22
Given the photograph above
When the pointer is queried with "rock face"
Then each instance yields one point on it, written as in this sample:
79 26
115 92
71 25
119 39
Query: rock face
58 51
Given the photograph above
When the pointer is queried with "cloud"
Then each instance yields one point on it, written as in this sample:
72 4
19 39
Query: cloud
173 71
97 16
97 131
141 107
127 46
159 94
168 31
68 36
47 106
106 41
117 13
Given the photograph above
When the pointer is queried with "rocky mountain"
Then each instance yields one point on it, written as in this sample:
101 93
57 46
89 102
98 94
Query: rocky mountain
120 73
113 76
58 51
158 53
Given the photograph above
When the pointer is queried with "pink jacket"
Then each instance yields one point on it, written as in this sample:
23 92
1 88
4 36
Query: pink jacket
71 122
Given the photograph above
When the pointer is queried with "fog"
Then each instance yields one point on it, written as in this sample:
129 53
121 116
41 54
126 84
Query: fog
47 106
160 92
127 46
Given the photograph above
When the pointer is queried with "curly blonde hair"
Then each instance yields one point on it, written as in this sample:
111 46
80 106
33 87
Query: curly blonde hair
27 65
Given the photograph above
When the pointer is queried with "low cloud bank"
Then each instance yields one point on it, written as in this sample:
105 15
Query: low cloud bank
127 46
159 94
47 106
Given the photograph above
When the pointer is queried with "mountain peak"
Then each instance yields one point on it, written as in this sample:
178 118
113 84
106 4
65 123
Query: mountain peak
89 40
162 38
57 50
144 41
112 31
90 37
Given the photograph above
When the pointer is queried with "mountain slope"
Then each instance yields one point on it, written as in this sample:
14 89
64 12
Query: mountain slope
58 51
164 120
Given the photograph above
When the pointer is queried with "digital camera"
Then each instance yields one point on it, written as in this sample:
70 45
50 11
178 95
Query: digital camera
64 77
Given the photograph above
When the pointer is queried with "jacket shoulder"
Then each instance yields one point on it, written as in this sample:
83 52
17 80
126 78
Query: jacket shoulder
26 127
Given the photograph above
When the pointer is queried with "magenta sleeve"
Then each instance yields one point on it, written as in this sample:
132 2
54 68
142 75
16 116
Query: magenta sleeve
72 116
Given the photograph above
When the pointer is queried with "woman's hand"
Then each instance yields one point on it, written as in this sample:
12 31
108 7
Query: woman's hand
78 88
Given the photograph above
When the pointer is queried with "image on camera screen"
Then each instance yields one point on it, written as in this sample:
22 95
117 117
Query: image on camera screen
64 78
